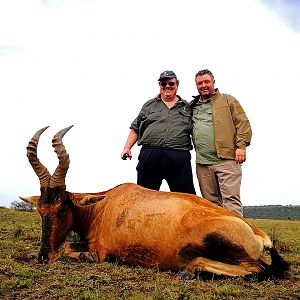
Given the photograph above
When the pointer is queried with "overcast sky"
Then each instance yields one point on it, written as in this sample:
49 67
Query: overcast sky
93 64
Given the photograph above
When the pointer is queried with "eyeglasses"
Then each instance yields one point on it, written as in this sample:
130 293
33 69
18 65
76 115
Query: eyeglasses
164 83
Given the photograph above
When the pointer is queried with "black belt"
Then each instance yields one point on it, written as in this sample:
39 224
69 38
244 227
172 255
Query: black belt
161 148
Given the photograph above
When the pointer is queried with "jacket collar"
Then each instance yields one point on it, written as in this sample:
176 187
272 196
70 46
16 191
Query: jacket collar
198 97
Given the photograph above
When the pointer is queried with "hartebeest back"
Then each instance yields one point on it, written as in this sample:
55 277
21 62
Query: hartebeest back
138 226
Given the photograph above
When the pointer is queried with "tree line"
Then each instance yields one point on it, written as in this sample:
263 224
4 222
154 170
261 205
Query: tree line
275 212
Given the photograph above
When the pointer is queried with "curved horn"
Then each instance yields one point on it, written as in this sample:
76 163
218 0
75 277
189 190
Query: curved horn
58 177
40 170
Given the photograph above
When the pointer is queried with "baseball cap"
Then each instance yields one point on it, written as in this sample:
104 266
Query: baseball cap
167 75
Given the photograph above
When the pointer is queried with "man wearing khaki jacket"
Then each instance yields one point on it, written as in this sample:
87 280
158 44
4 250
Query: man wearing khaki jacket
221 133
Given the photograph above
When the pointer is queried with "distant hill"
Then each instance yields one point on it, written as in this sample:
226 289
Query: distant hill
276 212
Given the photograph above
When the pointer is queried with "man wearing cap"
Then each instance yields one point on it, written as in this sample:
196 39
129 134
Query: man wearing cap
163 129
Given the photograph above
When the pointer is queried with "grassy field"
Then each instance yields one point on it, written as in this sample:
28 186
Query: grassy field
21 277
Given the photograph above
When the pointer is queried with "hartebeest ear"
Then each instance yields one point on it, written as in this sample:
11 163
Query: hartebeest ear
31 199
86 199
91 199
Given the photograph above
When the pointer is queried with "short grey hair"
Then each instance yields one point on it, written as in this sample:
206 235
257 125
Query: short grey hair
204 72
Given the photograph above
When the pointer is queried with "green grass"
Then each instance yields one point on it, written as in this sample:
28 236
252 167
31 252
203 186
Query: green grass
21 277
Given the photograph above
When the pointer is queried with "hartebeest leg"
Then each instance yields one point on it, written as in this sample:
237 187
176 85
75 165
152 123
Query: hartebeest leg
71 250
206 265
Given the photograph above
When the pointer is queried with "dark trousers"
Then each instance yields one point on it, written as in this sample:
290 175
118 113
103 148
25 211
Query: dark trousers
156 164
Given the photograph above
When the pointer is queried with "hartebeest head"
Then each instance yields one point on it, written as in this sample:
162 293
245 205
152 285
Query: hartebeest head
53 205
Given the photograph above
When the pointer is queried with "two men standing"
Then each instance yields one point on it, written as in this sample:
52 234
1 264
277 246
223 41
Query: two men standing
220 131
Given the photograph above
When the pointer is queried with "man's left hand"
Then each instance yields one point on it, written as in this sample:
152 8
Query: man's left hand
240 156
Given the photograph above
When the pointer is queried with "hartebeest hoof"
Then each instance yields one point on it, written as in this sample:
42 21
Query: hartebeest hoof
184 275
89 257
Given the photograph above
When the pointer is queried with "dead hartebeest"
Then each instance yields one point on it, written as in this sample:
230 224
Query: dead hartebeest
138 226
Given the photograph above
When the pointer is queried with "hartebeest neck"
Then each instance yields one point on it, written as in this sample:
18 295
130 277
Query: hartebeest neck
83 219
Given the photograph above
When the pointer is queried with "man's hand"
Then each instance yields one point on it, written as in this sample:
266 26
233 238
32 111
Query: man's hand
240 156
126 154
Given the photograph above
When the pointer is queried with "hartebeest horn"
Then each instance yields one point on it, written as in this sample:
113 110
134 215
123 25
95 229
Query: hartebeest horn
40 170
58 177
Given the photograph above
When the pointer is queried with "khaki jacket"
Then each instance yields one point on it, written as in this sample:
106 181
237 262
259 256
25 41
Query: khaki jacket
231 126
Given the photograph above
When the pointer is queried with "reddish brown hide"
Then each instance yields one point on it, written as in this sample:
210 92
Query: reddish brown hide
138 226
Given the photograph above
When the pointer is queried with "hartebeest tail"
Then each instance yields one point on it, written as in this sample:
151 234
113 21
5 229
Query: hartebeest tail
278 269
138 226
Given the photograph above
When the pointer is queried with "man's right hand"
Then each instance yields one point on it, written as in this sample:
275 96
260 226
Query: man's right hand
125 156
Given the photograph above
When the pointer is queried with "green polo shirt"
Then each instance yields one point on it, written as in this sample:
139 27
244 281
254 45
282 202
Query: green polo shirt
161 127
203 134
